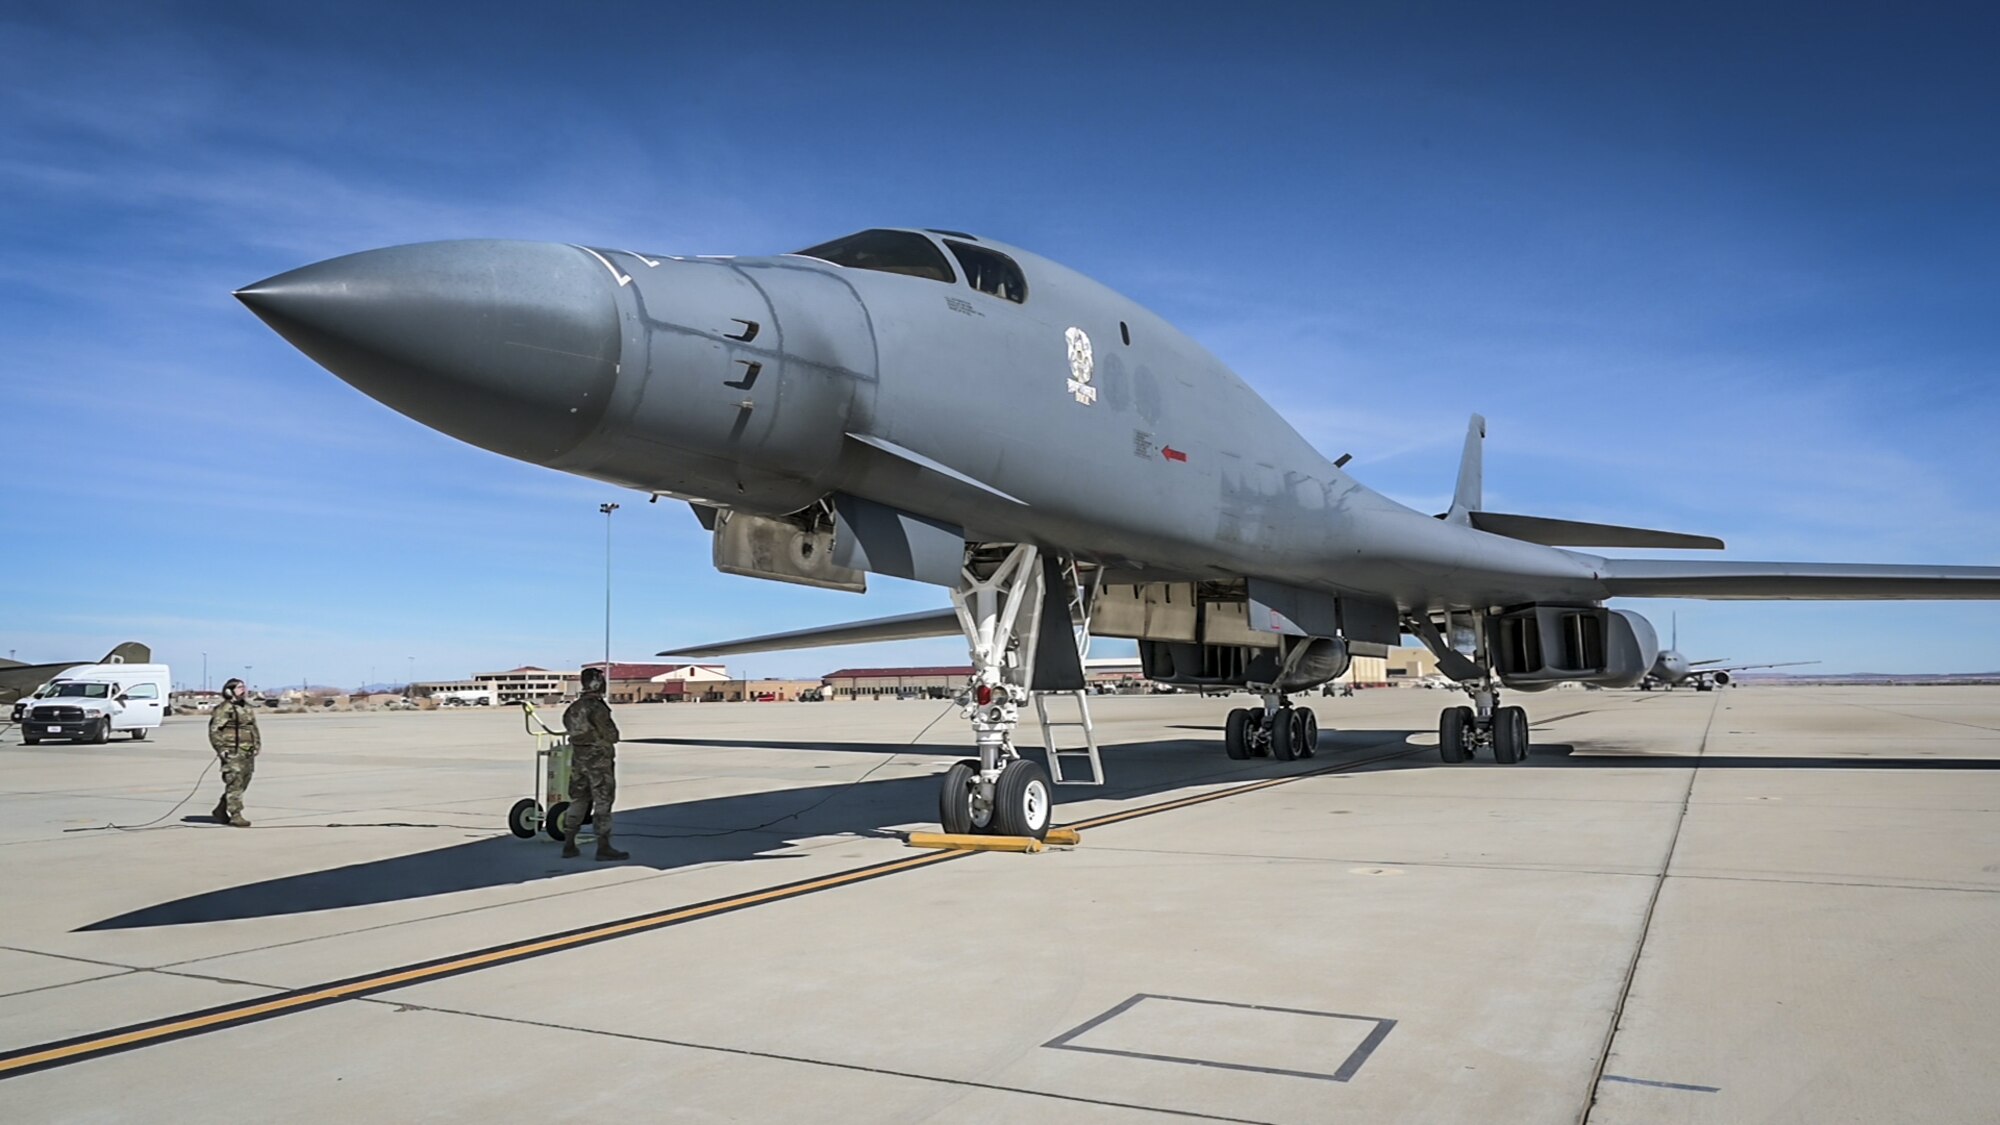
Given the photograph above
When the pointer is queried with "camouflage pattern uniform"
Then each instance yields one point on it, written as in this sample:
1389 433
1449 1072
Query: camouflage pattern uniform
232 734
593 775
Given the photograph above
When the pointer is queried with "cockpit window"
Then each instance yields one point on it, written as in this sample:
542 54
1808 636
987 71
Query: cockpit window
890 251
990 272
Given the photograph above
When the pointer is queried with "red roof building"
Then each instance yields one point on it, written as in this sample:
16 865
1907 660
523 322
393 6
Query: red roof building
896 683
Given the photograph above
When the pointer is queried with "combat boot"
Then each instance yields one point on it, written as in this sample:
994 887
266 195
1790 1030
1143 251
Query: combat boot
569 848
606 851
237 821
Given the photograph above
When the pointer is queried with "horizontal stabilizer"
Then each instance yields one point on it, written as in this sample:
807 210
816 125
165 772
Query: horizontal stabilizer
1572 533
907 627
1768 581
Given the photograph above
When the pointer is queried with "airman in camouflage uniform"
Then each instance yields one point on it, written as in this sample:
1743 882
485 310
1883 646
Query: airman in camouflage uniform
232 734
593 780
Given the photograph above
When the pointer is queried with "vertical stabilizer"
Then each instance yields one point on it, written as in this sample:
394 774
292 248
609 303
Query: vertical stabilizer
1471 474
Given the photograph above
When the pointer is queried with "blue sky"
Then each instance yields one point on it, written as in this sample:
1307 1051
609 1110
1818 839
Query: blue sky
1702 268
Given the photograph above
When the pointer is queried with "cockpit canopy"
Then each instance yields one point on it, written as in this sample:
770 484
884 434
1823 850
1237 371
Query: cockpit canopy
913 255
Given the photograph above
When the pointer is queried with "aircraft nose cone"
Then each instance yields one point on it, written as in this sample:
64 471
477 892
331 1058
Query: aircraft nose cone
511 346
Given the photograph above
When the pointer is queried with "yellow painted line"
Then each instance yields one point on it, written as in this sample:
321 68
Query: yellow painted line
75 1050
85 1047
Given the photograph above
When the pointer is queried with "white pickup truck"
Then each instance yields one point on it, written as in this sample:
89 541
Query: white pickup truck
91 702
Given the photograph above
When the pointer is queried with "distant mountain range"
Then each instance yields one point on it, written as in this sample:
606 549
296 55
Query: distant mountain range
1870 677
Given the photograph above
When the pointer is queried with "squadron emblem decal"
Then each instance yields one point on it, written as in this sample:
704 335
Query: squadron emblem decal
1081 364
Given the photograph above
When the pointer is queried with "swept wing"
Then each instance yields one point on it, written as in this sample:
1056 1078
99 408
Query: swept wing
905 627
1775 581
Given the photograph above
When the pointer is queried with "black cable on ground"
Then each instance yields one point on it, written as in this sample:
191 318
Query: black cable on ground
156 820
886 759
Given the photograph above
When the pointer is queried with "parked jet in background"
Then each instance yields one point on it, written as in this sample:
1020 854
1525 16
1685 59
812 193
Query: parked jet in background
948 409
1673 670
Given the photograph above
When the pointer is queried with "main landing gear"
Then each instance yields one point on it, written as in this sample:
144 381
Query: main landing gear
1463 731
999 792
1277 729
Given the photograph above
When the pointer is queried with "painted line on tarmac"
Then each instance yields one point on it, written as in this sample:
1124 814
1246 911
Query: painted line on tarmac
44 1056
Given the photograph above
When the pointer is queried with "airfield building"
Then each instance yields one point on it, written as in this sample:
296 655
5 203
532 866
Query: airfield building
653 683
896 683
529 684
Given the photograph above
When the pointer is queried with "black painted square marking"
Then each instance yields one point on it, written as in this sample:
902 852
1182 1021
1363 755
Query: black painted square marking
1213 1033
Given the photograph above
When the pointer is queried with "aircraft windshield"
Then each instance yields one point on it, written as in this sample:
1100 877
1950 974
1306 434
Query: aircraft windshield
82 691
888 251
990 272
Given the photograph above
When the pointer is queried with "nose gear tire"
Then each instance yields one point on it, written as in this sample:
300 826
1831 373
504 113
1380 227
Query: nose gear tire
1024 800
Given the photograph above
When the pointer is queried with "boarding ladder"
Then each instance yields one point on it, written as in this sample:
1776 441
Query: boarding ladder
1079 612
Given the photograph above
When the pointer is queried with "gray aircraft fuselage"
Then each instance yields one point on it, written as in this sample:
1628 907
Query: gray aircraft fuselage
1071 419
625 368
969 414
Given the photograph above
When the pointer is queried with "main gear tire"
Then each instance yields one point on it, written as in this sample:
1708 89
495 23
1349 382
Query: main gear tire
1454 727
553 823
524 818
1236 734
1309 732
1285 732
1510 735
1024 801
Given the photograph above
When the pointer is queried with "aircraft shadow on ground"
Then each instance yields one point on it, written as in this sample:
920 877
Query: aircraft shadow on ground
747 826
761 826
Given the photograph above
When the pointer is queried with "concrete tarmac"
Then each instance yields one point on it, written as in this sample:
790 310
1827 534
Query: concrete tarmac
1758 904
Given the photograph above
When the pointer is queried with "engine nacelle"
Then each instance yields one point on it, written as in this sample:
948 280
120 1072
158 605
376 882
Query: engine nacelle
1538 646
1721 679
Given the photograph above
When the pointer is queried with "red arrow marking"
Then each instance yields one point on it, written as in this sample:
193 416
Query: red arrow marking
1172 454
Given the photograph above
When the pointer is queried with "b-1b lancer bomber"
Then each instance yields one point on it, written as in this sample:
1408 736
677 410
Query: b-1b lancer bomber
944 408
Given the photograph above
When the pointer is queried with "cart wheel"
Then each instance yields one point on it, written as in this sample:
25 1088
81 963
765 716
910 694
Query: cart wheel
552 824
525 817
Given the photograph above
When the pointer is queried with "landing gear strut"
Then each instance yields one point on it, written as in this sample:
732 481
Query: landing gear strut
1464 731
1277 730
999 791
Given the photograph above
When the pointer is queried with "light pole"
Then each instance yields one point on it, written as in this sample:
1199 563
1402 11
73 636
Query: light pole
246 678
607 509
204 671
412 678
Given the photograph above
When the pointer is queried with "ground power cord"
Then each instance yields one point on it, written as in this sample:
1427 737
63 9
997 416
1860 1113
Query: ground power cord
156 820
154 824
841 789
